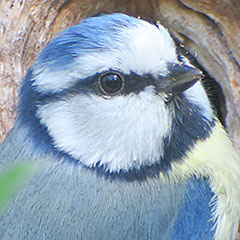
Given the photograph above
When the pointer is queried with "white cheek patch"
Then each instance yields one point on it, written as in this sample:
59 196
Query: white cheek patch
197 95
120 133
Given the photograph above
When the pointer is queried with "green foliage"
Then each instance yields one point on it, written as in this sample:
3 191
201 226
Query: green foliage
11 179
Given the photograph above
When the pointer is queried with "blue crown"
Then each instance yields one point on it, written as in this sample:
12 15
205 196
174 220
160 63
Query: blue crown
95 33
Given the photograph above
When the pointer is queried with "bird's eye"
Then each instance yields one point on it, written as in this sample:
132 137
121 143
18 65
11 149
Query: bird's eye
111 82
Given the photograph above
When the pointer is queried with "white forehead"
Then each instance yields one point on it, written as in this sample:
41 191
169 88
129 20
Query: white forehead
142 48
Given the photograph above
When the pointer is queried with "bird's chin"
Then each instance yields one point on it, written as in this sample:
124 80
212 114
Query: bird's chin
130 173
118 164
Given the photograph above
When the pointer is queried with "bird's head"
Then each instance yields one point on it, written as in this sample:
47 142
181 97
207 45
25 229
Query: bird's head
112 93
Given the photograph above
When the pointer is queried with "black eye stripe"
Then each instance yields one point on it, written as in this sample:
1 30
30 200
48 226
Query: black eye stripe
132 83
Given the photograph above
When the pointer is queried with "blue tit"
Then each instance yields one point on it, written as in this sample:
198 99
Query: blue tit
126 140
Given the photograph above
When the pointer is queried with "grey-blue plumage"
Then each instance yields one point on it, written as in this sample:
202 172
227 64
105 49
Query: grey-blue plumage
119 130
66 201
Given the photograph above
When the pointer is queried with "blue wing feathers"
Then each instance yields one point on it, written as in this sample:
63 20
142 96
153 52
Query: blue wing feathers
193 220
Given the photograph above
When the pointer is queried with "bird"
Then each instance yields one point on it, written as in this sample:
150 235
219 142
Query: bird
127 143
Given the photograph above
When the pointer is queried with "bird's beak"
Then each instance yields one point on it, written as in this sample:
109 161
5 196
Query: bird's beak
180 78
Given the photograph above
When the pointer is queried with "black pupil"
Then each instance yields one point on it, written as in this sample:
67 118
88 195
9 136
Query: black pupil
111 83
